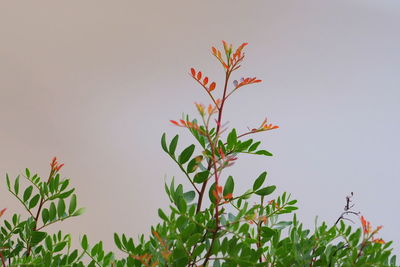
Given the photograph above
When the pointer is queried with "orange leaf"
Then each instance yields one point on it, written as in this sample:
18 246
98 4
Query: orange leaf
225 46
193 72
215 195
210 109
214 50
228 196
219 189
212 86
199 75
205 81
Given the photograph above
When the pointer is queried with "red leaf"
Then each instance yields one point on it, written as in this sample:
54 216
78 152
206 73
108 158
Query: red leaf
199 75
174 122
212 86
205 81
193 72
2 212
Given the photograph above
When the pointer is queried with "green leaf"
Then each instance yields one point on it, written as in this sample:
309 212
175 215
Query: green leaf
60 246
8 181
52 212
79 212
60 208
232 139
254 146
267 232
8 225
28 173
186 154
66 194
229 186
64 185
72 204
164 143
172 145
182 206
259 181
163 215
245 145
73 256
263 152
45 215
49 243
193 239
198 250
16 185
117 241
27 193
189 196
201 177
194 164
210 193
84 243
281 225
34 201
266 190
37 237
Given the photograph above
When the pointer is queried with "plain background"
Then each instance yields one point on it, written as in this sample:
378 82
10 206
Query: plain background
96 82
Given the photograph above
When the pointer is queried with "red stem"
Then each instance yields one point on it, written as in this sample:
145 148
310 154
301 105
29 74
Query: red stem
3 261
219 122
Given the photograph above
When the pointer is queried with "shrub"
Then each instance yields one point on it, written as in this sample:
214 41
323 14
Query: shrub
208 224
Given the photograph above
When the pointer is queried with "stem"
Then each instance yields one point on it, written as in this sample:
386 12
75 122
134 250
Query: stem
58 220
214 165
22 202
90 256
259 227
36 218
187 175
207 258
203 189
222 104
3 261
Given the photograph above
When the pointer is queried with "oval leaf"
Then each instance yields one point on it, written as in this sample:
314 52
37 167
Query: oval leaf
266 190
186 154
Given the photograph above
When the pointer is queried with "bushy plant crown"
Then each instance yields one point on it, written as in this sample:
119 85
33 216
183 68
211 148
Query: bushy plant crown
209 224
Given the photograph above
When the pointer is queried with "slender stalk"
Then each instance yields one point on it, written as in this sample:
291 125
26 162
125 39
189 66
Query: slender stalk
259 227
41 203
214 165
3 261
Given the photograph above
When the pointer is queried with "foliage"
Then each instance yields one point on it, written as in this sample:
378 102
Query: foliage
209 224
